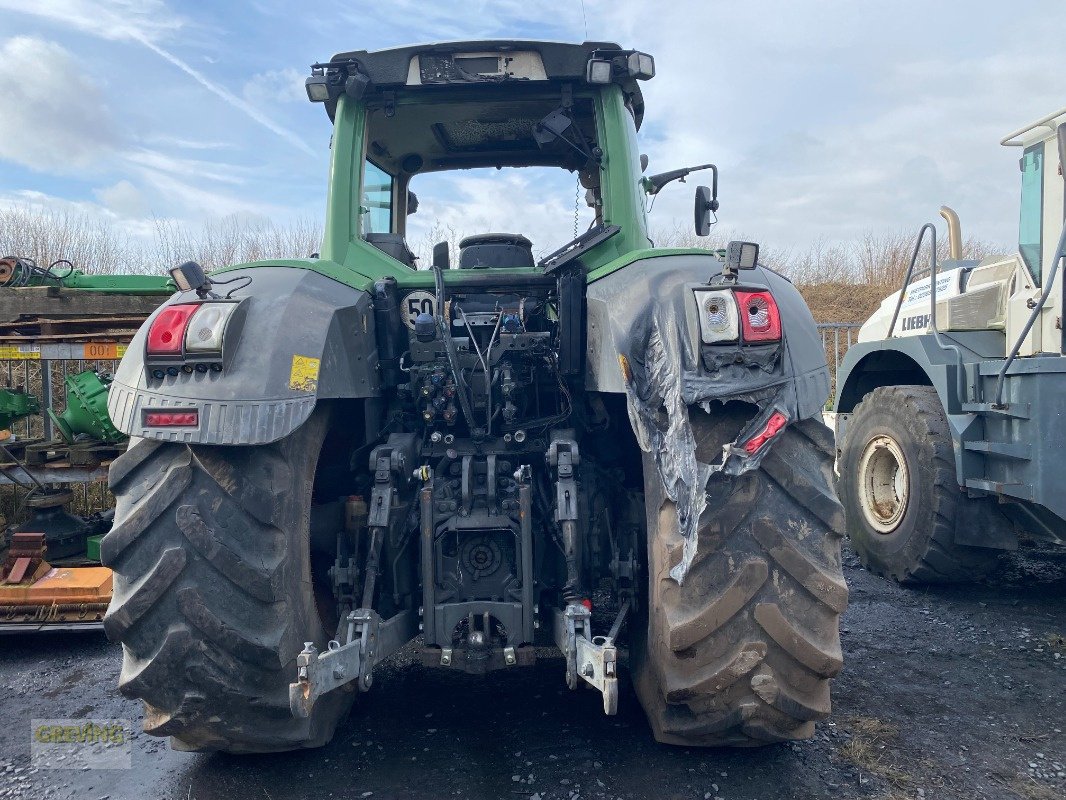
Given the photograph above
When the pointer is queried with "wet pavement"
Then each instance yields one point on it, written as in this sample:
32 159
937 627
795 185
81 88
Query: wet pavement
946 693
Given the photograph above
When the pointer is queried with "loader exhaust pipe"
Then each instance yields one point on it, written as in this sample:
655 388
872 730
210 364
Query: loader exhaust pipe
954 231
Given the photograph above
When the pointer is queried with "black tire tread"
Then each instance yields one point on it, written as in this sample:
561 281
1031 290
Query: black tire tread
209 602
741 653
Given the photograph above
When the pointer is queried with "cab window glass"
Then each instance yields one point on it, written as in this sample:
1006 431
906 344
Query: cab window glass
1030 227
377 200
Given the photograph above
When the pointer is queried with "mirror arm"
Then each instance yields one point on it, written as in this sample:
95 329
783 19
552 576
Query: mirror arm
655 183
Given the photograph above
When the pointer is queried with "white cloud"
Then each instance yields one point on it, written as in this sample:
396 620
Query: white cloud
52 115
276 86
146 22
123 198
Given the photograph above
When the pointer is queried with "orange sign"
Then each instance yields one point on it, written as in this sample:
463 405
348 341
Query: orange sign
100 351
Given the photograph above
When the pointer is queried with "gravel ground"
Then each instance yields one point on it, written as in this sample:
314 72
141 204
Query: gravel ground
946 693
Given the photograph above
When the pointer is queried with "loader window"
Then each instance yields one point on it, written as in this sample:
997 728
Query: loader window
1031 224
377 200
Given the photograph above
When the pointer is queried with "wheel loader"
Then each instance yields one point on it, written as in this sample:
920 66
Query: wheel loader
610 449
951 408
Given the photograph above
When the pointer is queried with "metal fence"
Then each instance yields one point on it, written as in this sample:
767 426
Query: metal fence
837 337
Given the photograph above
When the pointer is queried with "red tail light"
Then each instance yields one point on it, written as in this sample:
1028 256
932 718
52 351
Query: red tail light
773 427
168 329
759 317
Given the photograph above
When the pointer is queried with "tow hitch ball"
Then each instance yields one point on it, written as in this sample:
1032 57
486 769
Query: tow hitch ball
592 659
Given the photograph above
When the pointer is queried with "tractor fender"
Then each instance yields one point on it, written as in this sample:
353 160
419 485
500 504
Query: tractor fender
652 301
644 340
301 336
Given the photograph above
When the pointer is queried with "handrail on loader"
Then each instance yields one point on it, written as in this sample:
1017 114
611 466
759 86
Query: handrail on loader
934 268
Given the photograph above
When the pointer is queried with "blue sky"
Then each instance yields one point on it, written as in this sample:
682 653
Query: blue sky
827 118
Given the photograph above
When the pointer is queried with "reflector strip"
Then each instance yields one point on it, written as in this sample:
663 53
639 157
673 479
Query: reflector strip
185 418
773 427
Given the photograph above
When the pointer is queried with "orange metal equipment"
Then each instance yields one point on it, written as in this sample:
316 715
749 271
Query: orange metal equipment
34 594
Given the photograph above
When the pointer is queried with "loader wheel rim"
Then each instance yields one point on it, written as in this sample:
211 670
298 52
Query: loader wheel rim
884 484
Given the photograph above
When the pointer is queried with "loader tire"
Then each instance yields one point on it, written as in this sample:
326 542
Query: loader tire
741 652
213 593
901 493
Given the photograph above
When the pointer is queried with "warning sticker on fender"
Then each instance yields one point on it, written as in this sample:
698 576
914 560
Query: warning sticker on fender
303 377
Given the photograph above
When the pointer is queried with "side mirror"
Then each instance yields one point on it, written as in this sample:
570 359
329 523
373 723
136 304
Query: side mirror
1062 149
412 202
706 204
442 255
643 163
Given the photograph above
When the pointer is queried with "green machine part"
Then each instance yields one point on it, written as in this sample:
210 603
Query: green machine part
86 409
18 272
16 404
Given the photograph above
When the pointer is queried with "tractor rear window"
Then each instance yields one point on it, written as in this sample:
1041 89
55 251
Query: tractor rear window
1030 227
521 159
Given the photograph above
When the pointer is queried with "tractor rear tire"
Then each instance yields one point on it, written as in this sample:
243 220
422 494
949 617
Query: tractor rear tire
741 652
901 494
213 595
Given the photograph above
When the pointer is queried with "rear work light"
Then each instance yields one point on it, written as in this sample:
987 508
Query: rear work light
774 426
208 323
719 320
177 418
760 320
167 333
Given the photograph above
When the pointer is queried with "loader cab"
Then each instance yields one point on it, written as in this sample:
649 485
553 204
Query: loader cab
1043 201
474 126
1042 211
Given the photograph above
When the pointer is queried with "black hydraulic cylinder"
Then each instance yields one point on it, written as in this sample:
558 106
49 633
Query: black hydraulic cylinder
525 516
425 497
389 329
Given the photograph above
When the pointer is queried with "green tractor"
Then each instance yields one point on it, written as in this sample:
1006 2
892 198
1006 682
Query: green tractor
614 447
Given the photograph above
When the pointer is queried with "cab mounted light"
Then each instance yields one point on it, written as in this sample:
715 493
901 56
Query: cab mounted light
317 87
190 277
599 71
741 255
329 81
641 66
606 65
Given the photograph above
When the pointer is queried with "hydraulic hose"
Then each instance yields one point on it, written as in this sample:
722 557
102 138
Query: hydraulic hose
449 349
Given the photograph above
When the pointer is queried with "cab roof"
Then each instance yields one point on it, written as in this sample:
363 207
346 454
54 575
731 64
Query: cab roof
432 65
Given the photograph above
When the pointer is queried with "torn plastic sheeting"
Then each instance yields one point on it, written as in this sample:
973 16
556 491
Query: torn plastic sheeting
659 391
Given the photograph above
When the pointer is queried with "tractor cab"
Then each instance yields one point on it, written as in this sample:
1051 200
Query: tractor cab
478 123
